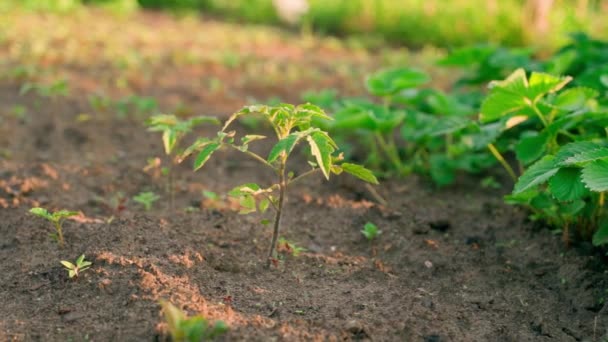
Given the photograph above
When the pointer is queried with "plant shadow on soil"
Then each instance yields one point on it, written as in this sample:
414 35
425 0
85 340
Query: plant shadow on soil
450 265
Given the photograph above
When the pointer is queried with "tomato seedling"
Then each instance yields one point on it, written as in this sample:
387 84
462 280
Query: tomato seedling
56 219
74 269
291 125
190 329
146 199
173 130
370 231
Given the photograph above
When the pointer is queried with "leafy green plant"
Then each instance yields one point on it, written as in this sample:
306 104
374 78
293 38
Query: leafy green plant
291 125
173 130
558 138
413 130
56 218
370 231
74 269
190 329
56 89
146 199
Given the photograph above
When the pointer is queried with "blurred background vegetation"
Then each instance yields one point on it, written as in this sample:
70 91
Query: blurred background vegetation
411 23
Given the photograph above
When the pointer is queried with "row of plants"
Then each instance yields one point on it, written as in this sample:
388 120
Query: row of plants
548 132
413 23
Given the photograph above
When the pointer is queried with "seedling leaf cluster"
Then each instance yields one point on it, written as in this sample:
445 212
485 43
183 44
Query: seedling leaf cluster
291 125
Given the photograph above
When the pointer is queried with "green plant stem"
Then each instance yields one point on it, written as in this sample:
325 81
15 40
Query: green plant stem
254 156
59 233
502 161
171 187
540 115
305 174
391 152
277 218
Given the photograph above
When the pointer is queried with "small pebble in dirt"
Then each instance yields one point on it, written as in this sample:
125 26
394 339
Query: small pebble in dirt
428 264
440 225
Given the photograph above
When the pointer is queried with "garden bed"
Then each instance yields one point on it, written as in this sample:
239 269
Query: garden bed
455 264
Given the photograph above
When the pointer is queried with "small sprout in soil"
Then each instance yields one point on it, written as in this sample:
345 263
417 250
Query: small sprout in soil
190 329
370 231
56 219
75 269
291 125
146 199
290 247
173 130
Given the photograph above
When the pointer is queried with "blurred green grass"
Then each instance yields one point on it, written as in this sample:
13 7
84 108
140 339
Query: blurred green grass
413 23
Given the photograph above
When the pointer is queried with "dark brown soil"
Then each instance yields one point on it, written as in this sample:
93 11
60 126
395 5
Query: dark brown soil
454 264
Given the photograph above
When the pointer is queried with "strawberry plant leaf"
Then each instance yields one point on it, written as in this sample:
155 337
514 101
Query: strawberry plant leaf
442 169
449 124
322 147
569 150
536 174
575 98
566 184
601 234
359 172
531 147
595 175
587 156
205 153
541 84
391 81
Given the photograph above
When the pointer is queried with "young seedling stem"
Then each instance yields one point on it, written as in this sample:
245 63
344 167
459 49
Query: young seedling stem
502 161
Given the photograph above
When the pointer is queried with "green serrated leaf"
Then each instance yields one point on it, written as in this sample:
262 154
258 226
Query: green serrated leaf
442 169
601 234
391 81
587 156
359 172
569 150
322 147
449 124
204 154
536 174
566 184
595 175
41 212
575 98
169 140
531 147
284 145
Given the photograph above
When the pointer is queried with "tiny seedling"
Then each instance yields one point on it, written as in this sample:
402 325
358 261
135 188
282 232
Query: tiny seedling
290 247
190 329
370 231
56 219
173 130
146 199
292 125
76 268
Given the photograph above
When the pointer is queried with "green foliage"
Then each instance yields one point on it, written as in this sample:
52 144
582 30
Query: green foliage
173 129
292 125
146 199
370 231
74 269
412 130
56 218
190 329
